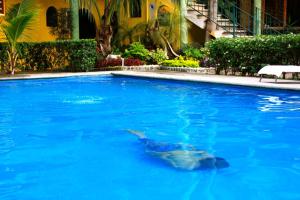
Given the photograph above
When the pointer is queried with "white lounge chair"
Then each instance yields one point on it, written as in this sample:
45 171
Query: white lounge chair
278 70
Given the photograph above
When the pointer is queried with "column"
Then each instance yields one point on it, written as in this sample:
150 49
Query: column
183 24
213 17
257 17
75 19
284 13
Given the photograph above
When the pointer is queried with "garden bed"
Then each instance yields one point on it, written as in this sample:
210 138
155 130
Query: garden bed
152 68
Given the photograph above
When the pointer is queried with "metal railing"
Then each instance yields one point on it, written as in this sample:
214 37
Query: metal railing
238 22
271 25
202 7
240 19
228 16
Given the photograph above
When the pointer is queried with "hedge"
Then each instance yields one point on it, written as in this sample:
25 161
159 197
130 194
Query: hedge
249 55
66 55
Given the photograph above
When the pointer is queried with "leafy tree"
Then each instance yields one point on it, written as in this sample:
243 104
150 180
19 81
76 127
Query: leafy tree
17 20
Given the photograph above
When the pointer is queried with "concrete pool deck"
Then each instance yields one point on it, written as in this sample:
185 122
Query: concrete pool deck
230 80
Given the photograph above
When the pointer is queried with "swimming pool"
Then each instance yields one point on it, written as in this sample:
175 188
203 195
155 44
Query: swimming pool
66 139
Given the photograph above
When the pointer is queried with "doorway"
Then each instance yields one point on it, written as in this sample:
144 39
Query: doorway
87 25
293 14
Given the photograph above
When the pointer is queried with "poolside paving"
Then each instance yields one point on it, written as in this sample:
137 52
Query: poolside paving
231 80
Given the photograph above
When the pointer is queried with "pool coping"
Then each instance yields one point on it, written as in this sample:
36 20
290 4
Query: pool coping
218 79
53 75
178 76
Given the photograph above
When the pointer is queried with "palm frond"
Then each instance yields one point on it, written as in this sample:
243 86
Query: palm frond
18 19
24 8
132 34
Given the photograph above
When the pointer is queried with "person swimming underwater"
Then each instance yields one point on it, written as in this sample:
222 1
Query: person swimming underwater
180 156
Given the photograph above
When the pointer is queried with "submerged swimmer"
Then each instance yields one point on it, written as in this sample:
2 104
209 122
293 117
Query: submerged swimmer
181 156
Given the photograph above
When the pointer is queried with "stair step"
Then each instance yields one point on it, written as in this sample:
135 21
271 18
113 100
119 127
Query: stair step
198 7
231 36
199 13
199 22
196 13
223 20
193 12
197 4
237 32
198 10
229 25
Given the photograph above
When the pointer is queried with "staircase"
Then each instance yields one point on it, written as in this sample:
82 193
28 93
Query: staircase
226 22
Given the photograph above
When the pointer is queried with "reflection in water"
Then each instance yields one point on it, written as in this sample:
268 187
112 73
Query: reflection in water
83 100
277 104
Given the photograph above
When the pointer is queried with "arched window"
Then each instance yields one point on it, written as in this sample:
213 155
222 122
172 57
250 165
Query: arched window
51 17
2 7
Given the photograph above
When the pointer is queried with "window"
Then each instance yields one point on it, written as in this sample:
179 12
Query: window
51 17
136 9
2 7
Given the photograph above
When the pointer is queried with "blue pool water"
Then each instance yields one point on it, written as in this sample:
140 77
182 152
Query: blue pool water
66 139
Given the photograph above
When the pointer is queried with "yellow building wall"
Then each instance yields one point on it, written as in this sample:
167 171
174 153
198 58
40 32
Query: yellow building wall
40 31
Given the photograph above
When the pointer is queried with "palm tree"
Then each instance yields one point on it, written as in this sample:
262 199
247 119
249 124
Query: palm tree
105 30
17 20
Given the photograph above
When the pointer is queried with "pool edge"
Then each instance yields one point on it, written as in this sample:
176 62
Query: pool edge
53 75
216 79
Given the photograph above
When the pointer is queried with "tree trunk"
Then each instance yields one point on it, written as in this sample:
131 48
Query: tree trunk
12 59
104 41
75 19
106 32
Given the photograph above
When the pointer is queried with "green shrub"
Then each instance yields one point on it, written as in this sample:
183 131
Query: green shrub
158 56
249 55
194 53
180 62
137 50
83 56
56 56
